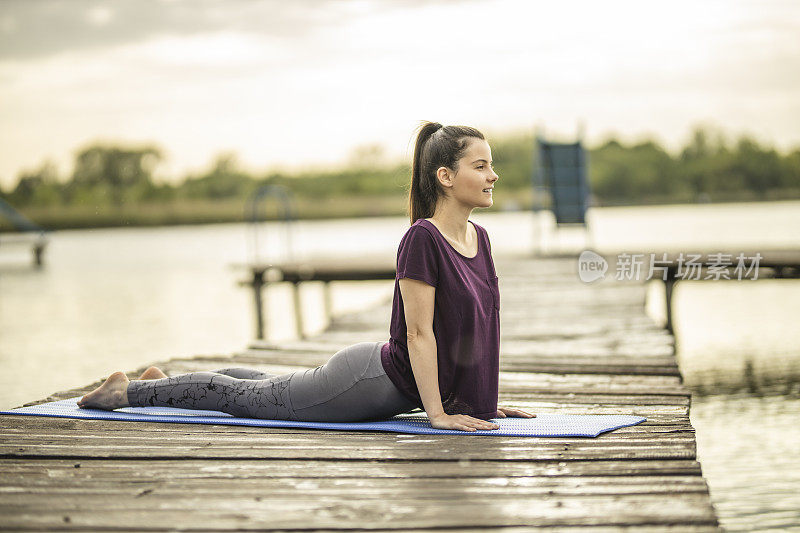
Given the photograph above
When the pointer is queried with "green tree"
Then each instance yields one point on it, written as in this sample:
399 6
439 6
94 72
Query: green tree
758 169
640 173
790 172
39 187
224 180
114 169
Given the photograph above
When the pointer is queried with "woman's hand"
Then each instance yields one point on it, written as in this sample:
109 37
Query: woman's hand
461 422
503 412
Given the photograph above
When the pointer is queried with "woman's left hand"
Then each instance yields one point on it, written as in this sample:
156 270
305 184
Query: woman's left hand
503 412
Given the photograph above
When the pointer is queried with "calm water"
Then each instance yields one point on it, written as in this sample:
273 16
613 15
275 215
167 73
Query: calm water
122 298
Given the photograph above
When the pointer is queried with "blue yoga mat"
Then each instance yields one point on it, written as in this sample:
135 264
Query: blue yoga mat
544 425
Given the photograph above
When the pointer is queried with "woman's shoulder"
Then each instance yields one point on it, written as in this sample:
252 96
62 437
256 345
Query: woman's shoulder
418 233
420 226
422 223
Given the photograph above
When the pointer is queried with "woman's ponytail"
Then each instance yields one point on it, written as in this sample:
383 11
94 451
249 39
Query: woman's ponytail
436 146
421 199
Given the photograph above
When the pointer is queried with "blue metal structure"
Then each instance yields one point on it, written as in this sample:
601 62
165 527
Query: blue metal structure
17 220
560 173
561 170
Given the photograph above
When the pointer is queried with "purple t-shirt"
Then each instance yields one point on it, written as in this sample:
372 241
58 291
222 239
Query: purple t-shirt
466 321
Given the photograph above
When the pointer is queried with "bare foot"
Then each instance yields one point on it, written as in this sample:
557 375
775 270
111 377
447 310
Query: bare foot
110 395
153 373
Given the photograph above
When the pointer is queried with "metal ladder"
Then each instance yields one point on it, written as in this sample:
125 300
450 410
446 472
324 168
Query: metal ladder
283 196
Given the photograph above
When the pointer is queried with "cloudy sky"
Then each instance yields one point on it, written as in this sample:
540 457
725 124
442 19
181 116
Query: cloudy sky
299 83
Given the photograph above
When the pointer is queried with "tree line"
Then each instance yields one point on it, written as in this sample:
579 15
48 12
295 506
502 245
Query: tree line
707 168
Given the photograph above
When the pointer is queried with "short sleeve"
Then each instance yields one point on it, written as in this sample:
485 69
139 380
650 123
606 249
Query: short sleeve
490 261
417 256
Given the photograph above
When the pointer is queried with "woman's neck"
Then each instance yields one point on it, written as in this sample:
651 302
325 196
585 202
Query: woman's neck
453 224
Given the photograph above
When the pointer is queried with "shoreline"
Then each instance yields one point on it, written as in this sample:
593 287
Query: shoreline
231 211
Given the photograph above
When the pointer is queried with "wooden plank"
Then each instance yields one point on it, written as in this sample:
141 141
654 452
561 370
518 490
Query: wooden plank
337 513
138 443
519 357
644 528
533 383
577 364
614 381
544 330
311 468
58 483
648 370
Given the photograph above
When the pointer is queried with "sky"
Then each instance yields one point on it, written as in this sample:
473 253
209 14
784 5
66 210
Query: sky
306 83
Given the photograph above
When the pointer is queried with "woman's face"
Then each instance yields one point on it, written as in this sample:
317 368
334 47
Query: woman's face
474 175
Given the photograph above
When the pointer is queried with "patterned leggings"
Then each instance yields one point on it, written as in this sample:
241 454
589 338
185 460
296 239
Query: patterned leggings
351 386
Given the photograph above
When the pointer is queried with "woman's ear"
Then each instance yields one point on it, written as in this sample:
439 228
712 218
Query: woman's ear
445 176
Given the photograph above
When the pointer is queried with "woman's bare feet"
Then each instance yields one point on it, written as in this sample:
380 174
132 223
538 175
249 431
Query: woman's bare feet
110 395
153 373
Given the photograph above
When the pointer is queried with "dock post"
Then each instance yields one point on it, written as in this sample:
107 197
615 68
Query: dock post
326 294
258 283
38 251
298 310
669 284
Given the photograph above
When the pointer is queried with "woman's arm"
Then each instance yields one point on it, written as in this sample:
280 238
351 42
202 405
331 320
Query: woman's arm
418 301
418 298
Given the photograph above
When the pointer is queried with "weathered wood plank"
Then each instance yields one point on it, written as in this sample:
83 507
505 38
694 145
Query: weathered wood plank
54 484
580 367
345 447
644 528
338 513
311 468
524 355
533 383
614 376
276 362
610 381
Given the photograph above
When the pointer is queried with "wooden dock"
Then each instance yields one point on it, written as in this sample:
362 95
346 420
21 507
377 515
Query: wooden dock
566 347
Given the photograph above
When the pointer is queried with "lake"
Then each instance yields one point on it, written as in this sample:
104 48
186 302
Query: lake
118 299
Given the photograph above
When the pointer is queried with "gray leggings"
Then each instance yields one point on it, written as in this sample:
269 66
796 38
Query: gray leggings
351 386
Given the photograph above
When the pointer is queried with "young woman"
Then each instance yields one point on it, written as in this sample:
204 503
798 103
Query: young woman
444 345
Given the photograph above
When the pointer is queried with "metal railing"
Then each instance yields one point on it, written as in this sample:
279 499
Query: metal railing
258 264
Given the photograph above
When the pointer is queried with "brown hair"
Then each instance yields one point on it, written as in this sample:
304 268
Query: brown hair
436 146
